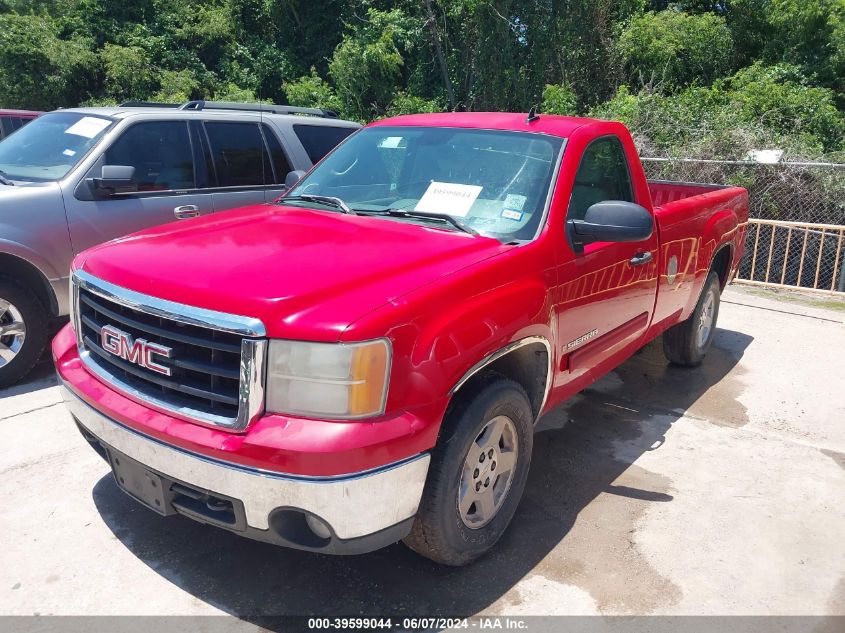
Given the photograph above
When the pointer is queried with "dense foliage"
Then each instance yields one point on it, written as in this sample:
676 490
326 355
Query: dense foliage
694 77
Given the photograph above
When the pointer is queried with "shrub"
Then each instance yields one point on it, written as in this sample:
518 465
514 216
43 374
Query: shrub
673 50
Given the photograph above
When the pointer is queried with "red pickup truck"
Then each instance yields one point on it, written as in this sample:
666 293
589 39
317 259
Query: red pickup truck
364 361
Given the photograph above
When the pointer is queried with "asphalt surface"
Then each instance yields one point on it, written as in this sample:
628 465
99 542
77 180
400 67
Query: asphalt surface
660 490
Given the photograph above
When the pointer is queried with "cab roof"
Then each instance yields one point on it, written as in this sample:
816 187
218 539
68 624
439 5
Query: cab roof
552 124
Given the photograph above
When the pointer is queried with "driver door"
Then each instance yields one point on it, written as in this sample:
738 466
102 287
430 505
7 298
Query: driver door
607 293
165 176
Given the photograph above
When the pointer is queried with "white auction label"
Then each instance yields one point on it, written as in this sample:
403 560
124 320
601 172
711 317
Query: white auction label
88 127
448 197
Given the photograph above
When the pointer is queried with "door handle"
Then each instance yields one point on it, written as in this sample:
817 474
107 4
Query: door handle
186 211
640 258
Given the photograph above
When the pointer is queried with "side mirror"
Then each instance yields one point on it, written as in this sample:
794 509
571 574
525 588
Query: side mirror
293 177
611 221
115 179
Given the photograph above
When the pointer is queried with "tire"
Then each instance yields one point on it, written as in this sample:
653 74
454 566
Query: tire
441 531
687 343
18 354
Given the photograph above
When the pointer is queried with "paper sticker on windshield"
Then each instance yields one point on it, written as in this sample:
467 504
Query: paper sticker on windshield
88 127
69 152
391 142
514 201
449 198
512 214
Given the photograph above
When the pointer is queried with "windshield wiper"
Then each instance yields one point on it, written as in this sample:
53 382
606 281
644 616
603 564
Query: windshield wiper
4 179
329 200
443 217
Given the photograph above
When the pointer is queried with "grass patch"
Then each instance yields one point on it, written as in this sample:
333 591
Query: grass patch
789 296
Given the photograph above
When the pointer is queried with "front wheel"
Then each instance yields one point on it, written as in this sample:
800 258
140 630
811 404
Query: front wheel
687 343
23 331
477 474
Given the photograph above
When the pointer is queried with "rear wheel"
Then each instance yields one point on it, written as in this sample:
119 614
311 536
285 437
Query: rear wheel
687 343
23 331
477 474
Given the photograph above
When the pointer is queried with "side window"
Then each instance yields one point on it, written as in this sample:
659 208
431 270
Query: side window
602 175
319 140
280 162
18 123
6 126
160 152
238 153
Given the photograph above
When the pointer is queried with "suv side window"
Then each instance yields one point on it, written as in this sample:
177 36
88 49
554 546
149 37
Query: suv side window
239 154
281 165
160 152
602 175
319 140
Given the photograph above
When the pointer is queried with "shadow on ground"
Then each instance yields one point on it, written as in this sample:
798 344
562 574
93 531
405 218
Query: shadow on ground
583 468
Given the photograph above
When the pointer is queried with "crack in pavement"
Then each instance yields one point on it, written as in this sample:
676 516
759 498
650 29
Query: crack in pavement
44 406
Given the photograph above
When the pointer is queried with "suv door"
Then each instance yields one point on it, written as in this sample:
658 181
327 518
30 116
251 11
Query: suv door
248 163
166 179
608 290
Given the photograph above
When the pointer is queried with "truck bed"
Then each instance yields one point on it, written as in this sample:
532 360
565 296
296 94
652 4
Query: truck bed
665 191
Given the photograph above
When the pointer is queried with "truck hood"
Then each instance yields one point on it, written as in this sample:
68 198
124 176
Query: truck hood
307 274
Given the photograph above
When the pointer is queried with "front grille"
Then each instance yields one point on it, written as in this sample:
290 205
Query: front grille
206 364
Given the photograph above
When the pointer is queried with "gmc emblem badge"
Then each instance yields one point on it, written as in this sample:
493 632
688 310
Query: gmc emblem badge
138 351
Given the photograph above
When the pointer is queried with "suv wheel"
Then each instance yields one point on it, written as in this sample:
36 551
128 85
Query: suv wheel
477 474
23 331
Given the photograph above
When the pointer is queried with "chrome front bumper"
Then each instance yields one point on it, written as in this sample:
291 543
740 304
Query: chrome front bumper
354 506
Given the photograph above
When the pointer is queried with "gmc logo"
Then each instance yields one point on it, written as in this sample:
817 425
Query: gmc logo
138 351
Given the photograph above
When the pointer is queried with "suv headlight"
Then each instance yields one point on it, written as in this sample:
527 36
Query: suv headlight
332 380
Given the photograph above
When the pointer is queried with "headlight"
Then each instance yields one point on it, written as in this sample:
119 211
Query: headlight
332 380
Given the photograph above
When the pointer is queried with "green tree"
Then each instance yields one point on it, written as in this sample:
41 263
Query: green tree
310 91
177 86
38 70
404 103
366 66
779 97
673 49
129 72
559 99
757 107
809 34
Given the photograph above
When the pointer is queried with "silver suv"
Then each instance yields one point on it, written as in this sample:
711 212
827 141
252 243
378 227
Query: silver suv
74 178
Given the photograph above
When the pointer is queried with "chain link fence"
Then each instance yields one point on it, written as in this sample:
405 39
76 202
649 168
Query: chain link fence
797 210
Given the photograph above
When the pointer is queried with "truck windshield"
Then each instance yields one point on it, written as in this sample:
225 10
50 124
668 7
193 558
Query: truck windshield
495 182
50 146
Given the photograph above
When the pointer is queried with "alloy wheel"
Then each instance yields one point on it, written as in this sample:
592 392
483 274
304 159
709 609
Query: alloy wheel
488 471
12 332
705 319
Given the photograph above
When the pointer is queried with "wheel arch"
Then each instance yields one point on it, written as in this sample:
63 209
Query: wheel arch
18 268
721 263
527 361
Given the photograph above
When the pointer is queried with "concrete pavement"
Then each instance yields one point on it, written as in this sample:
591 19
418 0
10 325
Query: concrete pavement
717 490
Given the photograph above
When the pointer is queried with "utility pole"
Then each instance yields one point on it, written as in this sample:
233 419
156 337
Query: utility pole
435 39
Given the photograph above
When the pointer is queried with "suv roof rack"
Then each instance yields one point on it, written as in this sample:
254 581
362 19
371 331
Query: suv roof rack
201 104
270 108
147 104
